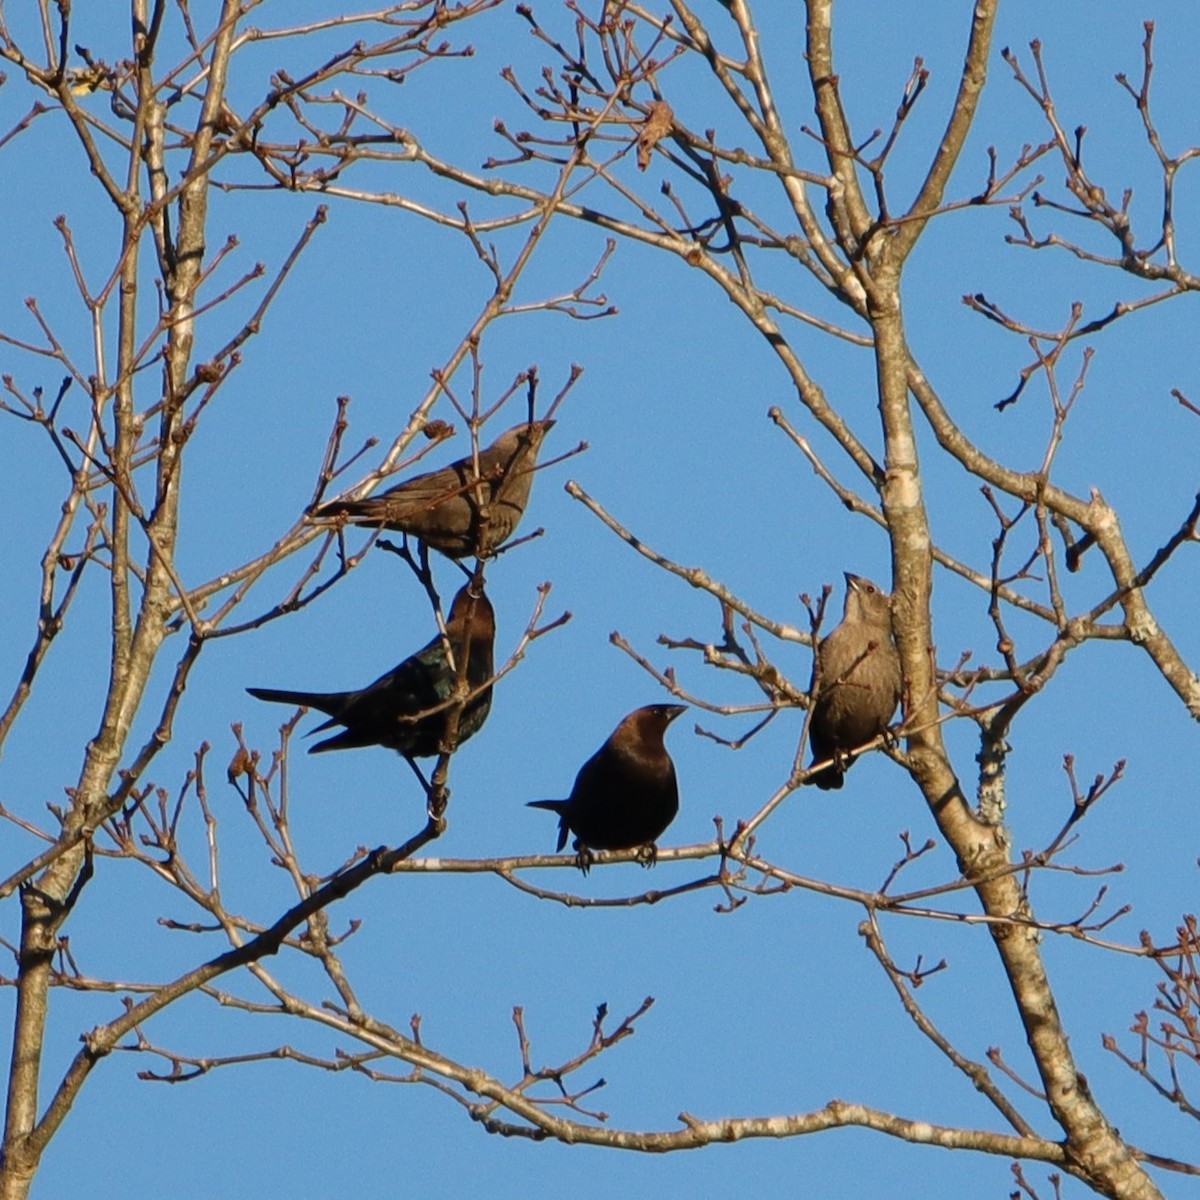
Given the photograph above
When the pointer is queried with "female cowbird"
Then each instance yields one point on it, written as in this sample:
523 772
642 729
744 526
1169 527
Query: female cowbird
625 795
407 709
858 680
453 509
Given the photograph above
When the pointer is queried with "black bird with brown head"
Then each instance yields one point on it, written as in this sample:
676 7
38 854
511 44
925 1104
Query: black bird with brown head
408 709
626 794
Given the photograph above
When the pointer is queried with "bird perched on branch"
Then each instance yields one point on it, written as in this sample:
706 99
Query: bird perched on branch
409 709
857 680
625 795
454 509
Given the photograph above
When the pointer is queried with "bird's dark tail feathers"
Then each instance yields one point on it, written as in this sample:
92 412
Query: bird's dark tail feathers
326 702
353 509
556 806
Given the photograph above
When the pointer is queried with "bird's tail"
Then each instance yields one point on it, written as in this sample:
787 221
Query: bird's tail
325 702
353 510
557 806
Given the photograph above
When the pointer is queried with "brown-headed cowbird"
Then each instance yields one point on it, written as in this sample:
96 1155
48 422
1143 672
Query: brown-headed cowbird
858 680
408 708
453 509
625 795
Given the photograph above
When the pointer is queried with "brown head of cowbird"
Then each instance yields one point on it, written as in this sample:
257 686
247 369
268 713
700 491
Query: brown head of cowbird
858 680
408 709
625 795
455 509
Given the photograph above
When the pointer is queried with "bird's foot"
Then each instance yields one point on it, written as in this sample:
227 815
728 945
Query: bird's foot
583 857
647 855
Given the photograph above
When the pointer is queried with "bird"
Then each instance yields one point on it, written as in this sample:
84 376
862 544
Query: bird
409 708
453 509
858 680
626 794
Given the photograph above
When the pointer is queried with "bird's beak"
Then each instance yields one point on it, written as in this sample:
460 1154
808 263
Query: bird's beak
853 582
673 710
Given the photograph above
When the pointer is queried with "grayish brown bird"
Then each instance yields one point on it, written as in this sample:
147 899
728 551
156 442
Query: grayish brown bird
408 708
626 794
453 509
858 680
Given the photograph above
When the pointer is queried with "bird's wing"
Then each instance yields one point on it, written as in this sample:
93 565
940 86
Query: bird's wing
411 688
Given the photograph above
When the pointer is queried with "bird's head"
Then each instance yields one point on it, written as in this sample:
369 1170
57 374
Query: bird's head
471 610
651 721
524 438
533 433
866 601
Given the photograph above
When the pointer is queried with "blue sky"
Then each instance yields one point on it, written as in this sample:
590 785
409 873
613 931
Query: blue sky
774 1008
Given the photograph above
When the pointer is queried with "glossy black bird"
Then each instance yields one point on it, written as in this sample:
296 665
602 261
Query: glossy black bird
446 508
625 795
859 680
408 708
